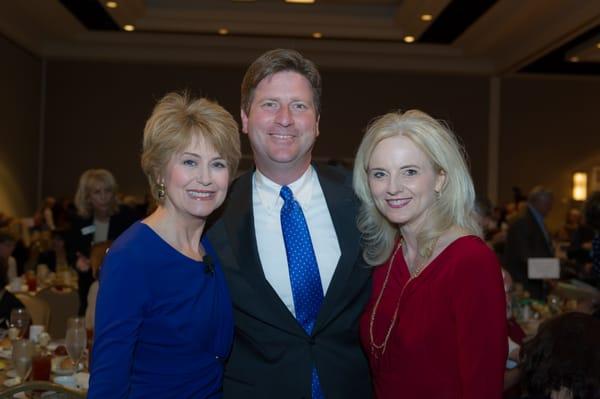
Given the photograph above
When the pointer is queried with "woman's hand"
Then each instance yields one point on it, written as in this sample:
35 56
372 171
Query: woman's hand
83 263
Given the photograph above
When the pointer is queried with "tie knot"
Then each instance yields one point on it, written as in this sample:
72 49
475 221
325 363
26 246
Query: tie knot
286 194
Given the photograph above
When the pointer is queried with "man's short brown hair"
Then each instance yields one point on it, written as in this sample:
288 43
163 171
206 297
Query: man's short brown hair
280 60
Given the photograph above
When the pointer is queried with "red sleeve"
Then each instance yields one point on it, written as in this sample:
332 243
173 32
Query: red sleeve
480 311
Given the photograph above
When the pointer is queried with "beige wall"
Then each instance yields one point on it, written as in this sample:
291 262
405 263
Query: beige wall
20 93
104 106
549 129
95 113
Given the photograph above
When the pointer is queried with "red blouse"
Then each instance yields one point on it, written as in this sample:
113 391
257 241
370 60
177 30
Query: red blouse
449 339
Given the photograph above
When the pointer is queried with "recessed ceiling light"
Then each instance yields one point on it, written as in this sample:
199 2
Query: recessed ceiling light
598 44
409 39
317 35
300 1
223 31
426 17
112 4
574 59
129 28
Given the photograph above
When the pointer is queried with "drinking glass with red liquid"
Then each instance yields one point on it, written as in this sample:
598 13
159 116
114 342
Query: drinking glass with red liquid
41 364
31 281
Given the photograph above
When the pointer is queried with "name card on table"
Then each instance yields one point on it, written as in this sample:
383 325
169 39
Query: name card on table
542 268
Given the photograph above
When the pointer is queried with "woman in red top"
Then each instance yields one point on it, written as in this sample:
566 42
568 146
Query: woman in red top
435 326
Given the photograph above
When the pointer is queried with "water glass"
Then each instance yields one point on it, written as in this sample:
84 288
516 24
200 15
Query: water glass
23 350
20 318
75 342
76 322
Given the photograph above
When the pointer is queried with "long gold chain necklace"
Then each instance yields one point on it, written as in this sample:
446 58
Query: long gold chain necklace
378 350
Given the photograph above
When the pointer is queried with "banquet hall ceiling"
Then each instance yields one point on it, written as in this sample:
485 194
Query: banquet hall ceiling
489 37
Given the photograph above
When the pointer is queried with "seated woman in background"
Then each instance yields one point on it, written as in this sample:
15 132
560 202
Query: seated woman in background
8 301
585 246
435 326
573 220
7 246
563 360
99 218
164 320
592 220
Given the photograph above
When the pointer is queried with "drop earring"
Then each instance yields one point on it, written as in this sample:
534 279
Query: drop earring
161 191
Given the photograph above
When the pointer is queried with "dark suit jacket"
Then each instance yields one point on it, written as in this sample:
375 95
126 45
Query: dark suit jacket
272 355
76 241
8 302
525 239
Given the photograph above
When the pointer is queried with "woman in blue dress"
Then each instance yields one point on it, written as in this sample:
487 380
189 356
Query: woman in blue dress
164 319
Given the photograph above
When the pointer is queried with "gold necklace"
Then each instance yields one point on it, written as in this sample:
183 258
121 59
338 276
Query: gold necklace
376 348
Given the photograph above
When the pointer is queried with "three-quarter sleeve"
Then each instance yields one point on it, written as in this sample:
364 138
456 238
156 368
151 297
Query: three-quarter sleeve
122 299
480 309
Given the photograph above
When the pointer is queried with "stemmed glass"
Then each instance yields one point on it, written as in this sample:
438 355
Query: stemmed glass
76 322
19 318
23 350
76 341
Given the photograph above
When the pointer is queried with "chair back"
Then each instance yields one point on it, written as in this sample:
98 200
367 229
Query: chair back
63 304
37 308
50 389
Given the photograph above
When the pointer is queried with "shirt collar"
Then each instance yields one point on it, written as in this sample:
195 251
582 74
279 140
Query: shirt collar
268 190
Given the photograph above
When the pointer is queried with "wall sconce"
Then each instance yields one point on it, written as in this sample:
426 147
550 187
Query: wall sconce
579 186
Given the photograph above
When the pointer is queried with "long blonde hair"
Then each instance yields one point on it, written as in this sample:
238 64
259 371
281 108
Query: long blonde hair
87 182
455 205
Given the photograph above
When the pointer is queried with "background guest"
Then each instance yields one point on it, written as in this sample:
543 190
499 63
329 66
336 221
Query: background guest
563 360
528 237
99 218
592 219
573 220
8 301
7 246
435 325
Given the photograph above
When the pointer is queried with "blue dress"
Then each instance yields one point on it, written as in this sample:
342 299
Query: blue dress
164 324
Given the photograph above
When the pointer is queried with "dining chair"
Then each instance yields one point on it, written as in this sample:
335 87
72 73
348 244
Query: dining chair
63 304
37 308
50 390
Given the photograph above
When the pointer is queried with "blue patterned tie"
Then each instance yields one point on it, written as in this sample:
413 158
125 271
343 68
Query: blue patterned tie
307 290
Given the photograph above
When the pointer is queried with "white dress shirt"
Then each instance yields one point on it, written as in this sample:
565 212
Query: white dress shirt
267 206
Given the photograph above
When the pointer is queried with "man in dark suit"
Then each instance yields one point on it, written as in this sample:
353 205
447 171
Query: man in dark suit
286 346
528 237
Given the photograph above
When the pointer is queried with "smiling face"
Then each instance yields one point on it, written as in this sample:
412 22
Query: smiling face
195 181
403 182
282 126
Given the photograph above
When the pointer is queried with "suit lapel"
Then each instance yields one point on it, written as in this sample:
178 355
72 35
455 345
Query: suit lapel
342 208
239 225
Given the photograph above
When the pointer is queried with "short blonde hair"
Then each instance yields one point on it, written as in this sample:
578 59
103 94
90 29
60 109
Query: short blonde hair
176 120
456 202
87 182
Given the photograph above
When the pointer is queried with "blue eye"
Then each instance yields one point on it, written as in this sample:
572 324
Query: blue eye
220 164
189 162
377 174
300 106
411 172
